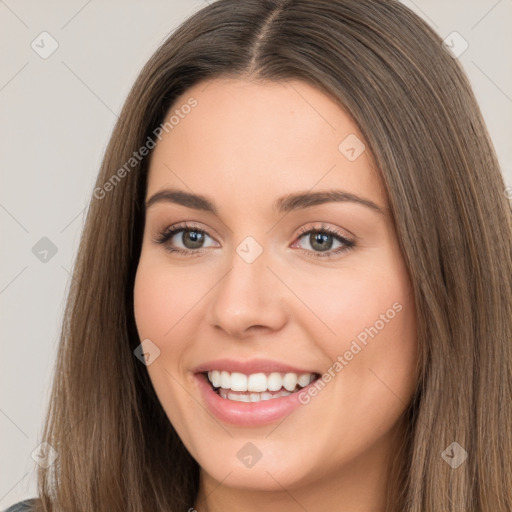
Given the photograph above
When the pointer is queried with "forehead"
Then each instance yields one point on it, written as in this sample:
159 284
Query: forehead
247 141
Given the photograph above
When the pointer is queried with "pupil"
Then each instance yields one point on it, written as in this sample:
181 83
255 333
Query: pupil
195 238
321 239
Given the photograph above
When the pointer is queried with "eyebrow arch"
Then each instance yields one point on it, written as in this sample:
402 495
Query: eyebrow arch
285 204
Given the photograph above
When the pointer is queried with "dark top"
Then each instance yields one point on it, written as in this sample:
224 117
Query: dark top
23 506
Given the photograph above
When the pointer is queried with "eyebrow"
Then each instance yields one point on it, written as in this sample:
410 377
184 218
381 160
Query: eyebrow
285 204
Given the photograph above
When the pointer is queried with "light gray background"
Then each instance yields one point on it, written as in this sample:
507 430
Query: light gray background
56 118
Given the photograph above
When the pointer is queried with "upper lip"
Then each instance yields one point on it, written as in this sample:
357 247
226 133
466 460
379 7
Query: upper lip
249 366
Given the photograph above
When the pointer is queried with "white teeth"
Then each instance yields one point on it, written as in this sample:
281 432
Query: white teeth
304 379
290 381
252 397
225 380
275 382
238 397
258 385
214 378
257 382
238 382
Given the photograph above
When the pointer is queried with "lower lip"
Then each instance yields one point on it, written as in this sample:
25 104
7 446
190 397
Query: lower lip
247 414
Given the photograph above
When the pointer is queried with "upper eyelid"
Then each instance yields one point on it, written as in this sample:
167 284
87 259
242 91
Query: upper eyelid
304 230
187 226
332 230
347 243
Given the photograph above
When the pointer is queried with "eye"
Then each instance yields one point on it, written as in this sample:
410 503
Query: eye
192 238
322 239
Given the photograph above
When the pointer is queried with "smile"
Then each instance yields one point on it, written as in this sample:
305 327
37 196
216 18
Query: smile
252 392
256 387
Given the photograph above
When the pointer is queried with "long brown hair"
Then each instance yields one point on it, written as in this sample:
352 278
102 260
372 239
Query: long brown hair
117 450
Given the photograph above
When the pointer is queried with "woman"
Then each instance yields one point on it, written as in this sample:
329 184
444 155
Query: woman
294 286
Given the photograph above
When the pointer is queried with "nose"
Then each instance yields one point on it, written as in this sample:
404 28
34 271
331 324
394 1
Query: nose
249 299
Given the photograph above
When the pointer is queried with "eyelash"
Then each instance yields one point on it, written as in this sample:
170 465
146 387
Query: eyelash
168 233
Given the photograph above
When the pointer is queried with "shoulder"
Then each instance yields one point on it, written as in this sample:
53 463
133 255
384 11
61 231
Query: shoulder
23 506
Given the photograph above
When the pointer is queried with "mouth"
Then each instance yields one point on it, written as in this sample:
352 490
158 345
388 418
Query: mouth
257 387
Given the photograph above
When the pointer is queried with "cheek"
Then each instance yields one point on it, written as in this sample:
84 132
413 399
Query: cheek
352 302
371 356
151 302
158 309
162 297
371 317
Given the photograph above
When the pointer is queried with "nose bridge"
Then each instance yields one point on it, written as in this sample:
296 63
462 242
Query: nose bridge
247 295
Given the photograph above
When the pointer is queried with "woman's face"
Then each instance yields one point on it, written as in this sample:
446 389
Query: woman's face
287 269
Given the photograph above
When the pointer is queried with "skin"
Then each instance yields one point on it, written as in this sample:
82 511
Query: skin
244 145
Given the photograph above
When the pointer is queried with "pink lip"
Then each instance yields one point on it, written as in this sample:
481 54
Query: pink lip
247 414
250 366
